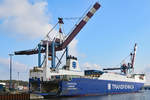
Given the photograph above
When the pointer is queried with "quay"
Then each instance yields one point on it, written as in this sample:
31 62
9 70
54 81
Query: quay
23 96
14 96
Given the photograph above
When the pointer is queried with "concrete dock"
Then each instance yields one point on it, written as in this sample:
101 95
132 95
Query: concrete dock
35 97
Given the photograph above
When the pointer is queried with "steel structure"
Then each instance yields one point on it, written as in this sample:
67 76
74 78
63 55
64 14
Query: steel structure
70 80
125 68
57 44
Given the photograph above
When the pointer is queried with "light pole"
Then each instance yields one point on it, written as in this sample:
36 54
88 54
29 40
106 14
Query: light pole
18 81
10 82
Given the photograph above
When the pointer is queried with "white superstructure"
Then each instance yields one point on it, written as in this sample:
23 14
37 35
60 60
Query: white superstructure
125 78
72 69
45 73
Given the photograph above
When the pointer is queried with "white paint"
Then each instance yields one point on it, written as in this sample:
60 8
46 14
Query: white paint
118 77
93 10
86 18
109 86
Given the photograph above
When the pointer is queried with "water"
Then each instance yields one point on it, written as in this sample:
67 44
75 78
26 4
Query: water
144 95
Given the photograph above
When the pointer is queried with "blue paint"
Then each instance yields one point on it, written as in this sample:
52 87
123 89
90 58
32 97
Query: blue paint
53 54
39 55
1 88
74 64
37 80
83 86
43 60
66 53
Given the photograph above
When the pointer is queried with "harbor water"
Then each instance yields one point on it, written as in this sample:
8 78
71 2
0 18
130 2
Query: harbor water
142 95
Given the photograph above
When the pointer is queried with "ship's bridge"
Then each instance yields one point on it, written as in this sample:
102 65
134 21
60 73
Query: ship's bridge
93 73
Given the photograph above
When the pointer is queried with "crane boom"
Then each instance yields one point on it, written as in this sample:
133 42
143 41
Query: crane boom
81 24
72 35
111 68
134 54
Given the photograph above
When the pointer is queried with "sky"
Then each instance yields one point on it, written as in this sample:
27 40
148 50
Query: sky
105 41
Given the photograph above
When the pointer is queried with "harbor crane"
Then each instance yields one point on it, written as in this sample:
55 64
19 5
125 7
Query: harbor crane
125 68
58 44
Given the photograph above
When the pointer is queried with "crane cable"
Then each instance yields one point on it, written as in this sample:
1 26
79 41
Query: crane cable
79 19
47 36
71 18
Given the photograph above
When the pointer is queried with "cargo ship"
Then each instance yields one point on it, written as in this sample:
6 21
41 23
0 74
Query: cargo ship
70 80
53 78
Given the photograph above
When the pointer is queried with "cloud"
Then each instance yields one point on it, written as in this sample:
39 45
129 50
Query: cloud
17 66
23 18
73 49
89 66
29 20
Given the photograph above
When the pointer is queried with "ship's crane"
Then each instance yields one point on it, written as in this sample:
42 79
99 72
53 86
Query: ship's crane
57 44
133 56
125 68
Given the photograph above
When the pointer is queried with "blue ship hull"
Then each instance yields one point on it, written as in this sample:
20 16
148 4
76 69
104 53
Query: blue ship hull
85 86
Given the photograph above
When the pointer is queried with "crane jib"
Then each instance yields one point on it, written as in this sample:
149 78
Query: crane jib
81 24
72 35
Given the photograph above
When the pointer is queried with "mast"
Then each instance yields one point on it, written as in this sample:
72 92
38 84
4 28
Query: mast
133 56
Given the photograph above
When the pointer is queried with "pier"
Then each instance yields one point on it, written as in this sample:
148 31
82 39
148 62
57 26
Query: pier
15 97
